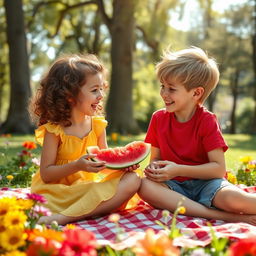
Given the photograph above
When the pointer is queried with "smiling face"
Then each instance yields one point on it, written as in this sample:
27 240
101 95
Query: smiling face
90 95
179 100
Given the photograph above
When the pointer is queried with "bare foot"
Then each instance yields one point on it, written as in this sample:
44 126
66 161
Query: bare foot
59 218
247 218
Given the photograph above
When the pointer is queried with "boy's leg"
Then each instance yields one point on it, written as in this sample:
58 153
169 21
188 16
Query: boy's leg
127 187
234 199
160 196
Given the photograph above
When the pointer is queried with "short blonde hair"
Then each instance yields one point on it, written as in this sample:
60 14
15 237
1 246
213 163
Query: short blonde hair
191 67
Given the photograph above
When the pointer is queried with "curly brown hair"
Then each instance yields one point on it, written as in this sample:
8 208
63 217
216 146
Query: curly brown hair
60 87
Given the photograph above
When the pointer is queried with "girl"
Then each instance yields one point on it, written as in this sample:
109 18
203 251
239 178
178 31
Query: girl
66 107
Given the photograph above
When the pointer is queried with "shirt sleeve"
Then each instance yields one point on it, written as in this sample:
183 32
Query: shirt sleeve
99 124
41 130
211 134
151 136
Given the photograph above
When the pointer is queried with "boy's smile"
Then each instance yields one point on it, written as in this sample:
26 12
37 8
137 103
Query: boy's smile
178 100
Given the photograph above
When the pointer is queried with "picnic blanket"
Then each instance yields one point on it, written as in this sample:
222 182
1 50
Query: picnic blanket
195 231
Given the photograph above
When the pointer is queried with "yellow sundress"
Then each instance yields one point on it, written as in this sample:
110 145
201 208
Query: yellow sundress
81 192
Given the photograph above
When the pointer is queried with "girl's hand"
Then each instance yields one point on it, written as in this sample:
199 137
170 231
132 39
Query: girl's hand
160 171
89 166
131 168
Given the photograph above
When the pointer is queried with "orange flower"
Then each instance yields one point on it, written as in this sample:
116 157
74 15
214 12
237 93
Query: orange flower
243 247
29 145
48 234
155 245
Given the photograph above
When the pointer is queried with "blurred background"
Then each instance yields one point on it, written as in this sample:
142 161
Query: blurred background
129 37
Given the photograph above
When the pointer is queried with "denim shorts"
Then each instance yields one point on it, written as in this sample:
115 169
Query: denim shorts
201 191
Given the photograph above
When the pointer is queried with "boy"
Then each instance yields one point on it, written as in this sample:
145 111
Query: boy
187 155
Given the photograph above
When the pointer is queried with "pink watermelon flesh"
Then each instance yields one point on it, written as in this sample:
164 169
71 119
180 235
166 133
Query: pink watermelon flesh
121 157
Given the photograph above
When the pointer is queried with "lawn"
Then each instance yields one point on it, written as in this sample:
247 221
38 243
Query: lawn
239 145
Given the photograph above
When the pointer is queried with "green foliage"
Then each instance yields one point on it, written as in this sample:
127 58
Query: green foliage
246 174
17 170
239 145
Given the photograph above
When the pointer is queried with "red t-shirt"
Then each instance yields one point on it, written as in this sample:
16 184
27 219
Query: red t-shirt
185 143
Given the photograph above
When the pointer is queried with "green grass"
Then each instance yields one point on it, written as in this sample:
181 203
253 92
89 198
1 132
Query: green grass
239 145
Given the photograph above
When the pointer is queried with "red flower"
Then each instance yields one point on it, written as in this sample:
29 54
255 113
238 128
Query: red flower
78 242
244 247
29 145
22 164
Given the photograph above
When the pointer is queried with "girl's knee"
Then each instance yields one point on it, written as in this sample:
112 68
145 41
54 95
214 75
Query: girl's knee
132 181
144 187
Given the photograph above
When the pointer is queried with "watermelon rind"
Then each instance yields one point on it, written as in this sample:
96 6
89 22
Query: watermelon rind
92 149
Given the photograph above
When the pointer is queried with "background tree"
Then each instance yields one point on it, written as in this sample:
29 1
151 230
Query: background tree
70 26
254 61
18 120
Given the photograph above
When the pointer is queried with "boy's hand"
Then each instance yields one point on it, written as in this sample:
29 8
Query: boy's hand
160 171
89 166
131 168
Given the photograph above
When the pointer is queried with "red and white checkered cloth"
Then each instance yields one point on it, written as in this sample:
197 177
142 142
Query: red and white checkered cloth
195 231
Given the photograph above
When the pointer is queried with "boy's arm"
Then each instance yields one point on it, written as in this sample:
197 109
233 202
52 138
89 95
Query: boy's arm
216 167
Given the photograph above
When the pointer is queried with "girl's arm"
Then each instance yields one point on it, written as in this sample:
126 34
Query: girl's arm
155 154
50 172
102 140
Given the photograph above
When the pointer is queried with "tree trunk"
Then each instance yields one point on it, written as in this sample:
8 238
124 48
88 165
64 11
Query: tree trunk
234 88
119 105
18 120
254 69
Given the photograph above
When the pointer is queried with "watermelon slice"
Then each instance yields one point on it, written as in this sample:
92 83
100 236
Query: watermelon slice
121 157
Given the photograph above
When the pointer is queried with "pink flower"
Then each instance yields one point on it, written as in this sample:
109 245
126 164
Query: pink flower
36 197
78 242
35 161
39 211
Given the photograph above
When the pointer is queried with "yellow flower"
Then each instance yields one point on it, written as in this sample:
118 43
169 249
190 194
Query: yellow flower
9 177
6 204
24 204
250 166
15 253
114 217
231 178
181 210
15 219
2 226
12 239
114 136
70 226
155 245
245 159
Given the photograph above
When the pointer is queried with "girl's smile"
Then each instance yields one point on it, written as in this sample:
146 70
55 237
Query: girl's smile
90 95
